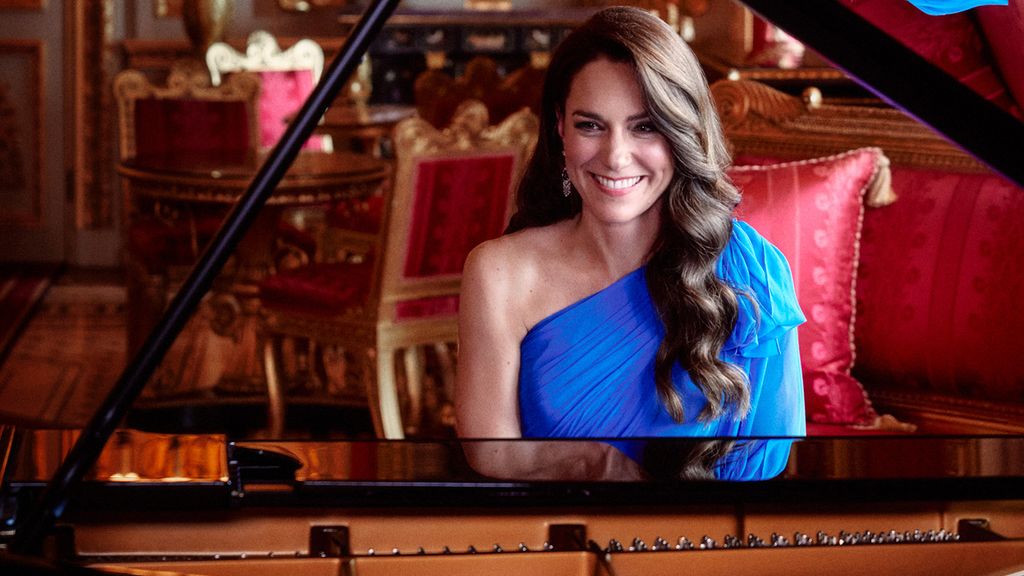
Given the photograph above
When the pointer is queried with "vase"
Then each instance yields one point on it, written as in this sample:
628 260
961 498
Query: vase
205 21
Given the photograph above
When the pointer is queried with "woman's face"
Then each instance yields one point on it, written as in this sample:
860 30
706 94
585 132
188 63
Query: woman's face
616 159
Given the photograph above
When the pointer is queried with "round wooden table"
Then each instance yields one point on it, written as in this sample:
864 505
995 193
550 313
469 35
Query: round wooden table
219 353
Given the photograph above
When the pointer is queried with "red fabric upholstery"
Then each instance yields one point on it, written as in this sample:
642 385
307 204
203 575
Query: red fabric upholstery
185 128
282 93
1003 27
459 203
427 307
812 211
334 288
939 287
952 42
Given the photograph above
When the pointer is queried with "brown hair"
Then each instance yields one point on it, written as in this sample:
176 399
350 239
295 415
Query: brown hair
698 309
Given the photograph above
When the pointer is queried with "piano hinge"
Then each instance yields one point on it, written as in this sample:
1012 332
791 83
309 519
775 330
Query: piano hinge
328 541
564 537
977 530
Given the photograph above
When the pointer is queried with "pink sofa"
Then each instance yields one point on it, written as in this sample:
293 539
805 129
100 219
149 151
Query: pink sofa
908 259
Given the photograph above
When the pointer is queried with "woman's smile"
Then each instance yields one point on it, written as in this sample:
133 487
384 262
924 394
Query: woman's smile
618 186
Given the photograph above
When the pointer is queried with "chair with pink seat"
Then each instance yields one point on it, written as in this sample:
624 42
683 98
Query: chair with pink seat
287 78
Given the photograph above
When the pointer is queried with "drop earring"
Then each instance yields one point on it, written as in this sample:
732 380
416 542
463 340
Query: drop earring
566 184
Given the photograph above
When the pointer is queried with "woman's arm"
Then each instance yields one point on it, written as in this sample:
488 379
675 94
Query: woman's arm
558 460
486 385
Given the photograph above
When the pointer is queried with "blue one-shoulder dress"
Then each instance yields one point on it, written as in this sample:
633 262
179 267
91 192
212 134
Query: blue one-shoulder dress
587 371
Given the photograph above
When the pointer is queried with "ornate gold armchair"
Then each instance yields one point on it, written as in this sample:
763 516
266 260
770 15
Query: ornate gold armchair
389 299
287 77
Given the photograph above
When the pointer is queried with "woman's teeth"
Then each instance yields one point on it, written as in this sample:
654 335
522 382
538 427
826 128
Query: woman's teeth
617 183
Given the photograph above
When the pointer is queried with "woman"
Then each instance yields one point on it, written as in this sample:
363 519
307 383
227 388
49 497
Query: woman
624 299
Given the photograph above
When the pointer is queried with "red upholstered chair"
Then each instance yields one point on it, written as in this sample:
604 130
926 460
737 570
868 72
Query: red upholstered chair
287 77
186 118
395 302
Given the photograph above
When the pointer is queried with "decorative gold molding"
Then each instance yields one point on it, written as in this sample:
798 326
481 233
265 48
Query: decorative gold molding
28 147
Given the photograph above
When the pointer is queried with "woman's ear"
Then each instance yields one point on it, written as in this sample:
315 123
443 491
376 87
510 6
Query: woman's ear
558 122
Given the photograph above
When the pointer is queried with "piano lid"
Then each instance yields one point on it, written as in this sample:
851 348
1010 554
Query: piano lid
898 75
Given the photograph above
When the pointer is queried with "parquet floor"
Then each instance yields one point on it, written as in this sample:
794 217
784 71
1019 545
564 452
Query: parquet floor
69 355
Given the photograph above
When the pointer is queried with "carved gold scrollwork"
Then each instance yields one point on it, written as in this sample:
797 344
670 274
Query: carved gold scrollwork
733 104
743 101
468 131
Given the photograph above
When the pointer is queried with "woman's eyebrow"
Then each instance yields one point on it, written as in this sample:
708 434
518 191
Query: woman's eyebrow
596 116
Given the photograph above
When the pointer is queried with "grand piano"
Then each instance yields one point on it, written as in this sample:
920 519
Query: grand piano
114 500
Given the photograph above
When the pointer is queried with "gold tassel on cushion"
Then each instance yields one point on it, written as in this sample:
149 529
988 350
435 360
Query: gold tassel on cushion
880 192
888 422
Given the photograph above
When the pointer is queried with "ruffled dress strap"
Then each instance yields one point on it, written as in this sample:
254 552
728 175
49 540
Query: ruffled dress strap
760 274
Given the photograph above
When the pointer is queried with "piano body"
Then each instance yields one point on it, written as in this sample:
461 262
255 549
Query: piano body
211 505
204 505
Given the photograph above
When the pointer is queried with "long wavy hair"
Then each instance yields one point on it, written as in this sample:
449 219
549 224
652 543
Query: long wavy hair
698 309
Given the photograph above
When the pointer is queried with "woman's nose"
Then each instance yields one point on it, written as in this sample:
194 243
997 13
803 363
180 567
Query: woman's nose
618 152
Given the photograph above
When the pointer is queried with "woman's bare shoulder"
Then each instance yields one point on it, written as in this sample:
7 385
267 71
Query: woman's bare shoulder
518 258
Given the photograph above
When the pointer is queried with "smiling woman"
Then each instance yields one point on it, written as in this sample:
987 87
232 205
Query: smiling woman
625 300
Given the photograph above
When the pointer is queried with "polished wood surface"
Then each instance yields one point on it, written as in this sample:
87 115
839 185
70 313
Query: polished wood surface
350 117
367 127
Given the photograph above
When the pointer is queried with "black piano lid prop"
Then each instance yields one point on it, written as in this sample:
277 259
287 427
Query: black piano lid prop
86 450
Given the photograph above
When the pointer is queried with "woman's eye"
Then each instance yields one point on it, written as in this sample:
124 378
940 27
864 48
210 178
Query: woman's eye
646 128
587 126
